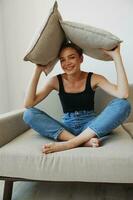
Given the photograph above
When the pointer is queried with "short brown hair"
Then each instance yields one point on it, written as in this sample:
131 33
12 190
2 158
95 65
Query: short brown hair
69 44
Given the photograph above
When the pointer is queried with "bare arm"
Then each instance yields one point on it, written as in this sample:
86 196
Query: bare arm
32 97
120 89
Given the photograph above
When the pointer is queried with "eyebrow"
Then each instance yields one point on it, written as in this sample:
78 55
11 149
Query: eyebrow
68 56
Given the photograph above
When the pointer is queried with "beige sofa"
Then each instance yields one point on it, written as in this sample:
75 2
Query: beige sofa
21 157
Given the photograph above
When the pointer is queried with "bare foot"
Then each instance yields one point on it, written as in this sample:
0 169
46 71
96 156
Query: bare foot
61 146
93 142
55 146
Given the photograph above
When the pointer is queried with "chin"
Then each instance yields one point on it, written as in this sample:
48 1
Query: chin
70 72
73 71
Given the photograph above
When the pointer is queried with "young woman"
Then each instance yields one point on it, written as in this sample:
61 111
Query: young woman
80 125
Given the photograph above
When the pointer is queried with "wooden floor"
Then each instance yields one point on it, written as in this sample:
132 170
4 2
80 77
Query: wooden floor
69 191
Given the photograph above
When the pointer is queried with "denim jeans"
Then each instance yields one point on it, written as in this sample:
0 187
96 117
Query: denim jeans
102 124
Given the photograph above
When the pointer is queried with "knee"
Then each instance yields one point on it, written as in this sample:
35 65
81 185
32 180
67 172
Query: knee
124 105
29 115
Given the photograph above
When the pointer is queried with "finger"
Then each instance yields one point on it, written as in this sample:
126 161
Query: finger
114 48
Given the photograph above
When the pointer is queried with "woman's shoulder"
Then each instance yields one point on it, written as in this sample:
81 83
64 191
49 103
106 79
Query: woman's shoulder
97 76
96 79
53 81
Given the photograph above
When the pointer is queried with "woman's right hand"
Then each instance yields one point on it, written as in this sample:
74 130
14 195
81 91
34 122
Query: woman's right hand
40 68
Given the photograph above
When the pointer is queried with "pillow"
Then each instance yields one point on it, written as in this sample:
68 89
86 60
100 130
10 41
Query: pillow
90 39
45 46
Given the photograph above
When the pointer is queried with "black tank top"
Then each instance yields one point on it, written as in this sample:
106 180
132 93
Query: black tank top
77 101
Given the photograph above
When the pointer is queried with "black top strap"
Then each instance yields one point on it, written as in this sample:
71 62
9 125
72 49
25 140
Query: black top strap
88 82
61 87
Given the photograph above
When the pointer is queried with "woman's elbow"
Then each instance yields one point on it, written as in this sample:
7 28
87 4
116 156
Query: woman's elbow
124 96
28 105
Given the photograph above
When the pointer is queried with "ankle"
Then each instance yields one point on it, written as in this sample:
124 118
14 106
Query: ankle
71 144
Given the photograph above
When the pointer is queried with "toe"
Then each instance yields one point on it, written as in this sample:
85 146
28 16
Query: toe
95 142
47 145
94 145
45 148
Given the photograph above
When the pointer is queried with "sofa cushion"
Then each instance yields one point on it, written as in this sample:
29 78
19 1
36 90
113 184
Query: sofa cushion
90 39
112 162
45 46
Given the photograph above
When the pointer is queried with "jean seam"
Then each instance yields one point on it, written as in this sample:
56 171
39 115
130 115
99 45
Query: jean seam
58 133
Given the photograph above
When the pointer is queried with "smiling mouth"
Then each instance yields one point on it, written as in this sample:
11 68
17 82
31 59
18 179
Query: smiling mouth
69 68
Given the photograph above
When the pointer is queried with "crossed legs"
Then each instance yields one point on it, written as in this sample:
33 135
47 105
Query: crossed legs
111 117
46 126
65 136
86 138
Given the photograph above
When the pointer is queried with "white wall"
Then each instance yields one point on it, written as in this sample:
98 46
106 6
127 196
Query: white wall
21 18
3 70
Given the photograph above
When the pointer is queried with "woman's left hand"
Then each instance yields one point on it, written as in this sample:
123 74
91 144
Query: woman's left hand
113 53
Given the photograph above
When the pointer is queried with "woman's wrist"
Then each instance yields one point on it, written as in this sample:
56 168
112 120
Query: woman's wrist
117 58
38 70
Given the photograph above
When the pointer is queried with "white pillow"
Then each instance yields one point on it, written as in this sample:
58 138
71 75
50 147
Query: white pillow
45 46
90 39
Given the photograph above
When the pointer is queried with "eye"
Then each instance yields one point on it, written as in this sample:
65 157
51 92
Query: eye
62 61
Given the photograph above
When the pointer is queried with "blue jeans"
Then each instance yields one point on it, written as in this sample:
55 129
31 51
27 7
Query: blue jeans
102 124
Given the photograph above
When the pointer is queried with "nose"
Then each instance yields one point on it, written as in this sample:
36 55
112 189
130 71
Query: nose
67 63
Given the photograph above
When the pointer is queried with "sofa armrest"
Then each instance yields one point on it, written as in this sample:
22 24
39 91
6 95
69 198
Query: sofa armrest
11 126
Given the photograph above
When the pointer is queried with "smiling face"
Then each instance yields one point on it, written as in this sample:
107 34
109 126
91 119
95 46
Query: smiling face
70 60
